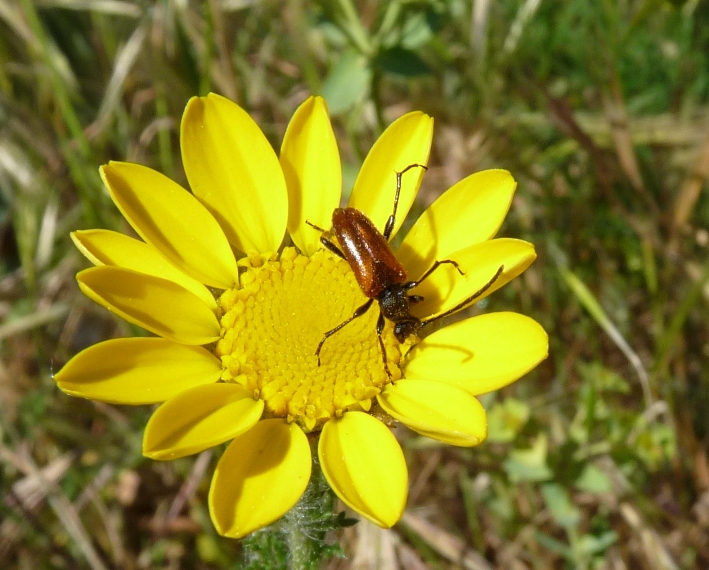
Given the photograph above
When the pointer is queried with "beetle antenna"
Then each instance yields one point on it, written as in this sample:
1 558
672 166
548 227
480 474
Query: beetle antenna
312 225
468 300
389 228
414 284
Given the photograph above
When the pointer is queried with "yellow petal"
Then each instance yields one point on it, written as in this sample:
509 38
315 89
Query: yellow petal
364 465
437 410
311 165
198 419
261 475
469 212
234 171
172 220
406 141
104 247
156 304
446 287
137 371
480 354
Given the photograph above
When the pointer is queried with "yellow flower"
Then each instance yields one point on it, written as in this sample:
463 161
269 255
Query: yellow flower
234 357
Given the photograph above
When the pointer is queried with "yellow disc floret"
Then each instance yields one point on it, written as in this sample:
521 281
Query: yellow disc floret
273 323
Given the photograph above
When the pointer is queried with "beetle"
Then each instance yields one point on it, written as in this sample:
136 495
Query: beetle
380 275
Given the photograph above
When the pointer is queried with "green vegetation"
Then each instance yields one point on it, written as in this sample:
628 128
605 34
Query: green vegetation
600 109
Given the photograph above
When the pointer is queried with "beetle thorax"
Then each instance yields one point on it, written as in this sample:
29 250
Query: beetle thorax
394 303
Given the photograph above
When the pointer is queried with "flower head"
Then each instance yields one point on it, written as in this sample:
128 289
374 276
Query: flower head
238 316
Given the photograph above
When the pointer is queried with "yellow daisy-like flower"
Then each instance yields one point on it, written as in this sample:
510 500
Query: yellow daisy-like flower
234 357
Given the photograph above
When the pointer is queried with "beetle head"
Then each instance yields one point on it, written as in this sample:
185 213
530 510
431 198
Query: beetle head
405 327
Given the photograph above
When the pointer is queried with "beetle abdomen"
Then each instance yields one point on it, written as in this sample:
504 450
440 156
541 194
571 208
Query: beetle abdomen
373 262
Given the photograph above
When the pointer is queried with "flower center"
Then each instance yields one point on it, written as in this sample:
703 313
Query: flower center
272 325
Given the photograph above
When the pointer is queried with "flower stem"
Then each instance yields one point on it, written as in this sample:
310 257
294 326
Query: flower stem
298 540
299 546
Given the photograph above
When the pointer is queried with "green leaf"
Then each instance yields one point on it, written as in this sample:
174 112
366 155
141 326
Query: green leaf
529 464
560 506
598 544
554 545
505 420
593 480
400 61
602 378
416 32
347 83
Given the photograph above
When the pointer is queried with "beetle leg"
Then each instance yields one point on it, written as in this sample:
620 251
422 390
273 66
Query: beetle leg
468 300
380 329
413 299
358 313
389 228
332 247
412 284
326 242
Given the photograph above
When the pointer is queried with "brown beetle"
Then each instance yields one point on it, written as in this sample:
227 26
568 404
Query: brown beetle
379 273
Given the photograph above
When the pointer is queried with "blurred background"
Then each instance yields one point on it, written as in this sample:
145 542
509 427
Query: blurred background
600 109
